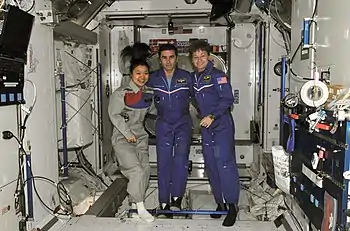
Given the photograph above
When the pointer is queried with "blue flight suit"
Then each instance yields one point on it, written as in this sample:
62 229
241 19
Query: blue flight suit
213 93
173 131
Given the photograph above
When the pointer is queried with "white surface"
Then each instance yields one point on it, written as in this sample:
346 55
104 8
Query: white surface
274 51
42 124
242 70
281 168
300 10
86 223
332 41
130 7
105 59
74 62
79 118
8 169
120 36
215 35
310 98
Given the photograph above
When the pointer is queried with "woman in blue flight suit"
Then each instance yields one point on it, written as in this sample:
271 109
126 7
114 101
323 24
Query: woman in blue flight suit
213 93
127 109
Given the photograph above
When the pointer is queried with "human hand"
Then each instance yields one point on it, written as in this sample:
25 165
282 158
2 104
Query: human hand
206 121
131 139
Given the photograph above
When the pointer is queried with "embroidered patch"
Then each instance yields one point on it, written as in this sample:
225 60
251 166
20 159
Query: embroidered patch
131 98
181 81
222 80
207 77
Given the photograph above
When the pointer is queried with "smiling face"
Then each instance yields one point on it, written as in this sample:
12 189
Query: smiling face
140 75
200 59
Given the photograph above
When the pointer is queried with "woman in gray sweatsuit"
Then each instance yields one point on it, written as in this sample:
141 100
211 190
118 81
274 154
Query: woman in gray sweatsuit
127 109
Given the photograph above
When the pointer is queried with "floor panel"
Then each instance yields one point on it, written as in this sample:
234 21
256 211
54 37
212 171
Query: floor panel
87 223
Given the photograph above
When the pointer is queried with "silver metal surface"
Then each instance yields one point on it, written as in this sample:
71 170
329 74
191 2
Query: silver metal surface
271 97
8 170
73 31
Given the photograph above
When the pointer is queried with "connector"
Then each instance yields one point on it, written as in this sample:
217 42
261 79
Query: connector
7 135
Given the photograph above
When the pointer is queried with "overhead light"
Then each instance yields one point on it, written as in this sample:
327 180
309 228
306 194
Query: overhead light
190 1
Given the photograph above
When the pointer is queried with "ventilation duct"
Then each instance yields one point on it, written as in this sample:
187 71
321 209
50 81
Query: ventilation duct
244 6
280 10
81 12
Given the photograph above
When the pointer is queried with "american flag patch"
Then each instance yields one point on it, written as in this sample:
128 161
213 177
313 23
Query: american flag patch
222 80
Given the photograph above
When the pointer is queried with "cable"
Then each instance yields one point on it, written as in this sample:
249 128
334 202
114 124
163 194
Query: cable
295 220
9 135
301 42
242 47
269 19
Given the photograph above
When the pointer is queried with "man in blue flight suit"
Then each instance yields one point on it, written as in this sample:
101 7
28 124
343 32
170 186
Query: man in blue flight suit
213 93
172 90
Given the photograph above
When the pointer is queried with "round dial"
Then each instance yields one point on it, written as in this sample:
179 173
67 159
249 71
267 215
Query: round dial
26 5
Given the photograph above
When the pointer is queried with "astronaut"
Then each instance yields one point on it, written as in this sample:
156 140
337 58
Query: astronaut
127 109
213 94
172 90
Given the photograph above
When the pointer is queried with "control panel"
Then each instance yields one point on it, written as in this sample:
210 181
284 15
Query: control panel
318 162
11 83
14 41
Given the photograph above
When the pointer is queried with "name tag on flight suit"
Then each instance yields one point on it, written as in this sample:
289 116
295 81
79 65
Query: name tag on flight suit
207 77
181 81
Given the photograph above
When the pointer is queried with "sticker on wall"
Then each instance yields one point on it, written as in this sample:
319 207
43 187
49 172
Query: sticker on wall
5 210
32 61
236 96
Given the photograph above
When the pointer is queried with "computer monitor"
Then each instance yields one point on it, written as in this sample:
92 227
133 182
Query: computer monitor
220 8
16 32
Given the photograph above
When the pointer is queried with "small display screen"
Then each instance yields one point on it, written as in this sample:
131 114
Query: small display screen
16 32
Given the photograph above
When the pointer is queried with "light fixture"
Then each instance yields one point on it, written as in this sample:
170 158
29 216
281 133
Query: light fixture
190 1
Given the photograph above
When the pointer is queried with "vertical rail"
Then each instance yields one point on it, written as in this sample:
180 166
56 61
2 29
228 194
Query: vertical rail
283 93
99 106
29 185
64 124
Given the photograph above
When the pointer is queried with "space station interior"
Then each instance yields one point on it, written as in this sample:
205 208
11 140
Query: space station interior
61 61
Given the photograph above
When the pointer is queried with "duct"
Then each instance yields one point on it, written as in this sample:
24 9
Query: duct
81 12
90 12
71 31
280 10
244 6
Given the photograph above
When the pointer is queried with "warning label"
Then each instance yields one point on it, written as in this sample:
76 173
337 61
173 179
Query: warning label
236 96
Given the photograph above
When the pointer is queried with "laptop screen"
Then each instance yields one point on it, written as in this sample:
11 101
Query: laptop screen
16 31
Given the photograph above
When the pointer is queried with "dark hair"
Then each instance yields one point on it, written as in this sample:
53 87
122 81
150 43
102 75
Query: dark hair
136 51
138 62
199 45
167 47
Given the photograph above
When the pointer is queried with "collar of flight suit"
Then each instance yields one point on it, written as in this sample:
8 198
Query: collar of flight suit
207 69
163 74
134 87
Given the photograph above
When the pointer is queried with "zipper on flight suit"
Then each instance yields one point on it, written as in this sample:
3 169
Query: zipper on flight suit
168 87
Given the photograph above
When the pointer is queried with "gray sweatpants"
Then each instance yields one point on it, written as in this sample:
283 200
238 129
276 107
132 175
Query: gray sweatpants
133 160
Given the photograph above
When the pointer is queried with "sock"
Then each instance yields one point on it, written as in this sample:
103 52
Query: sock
134 207
143 213
163 205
